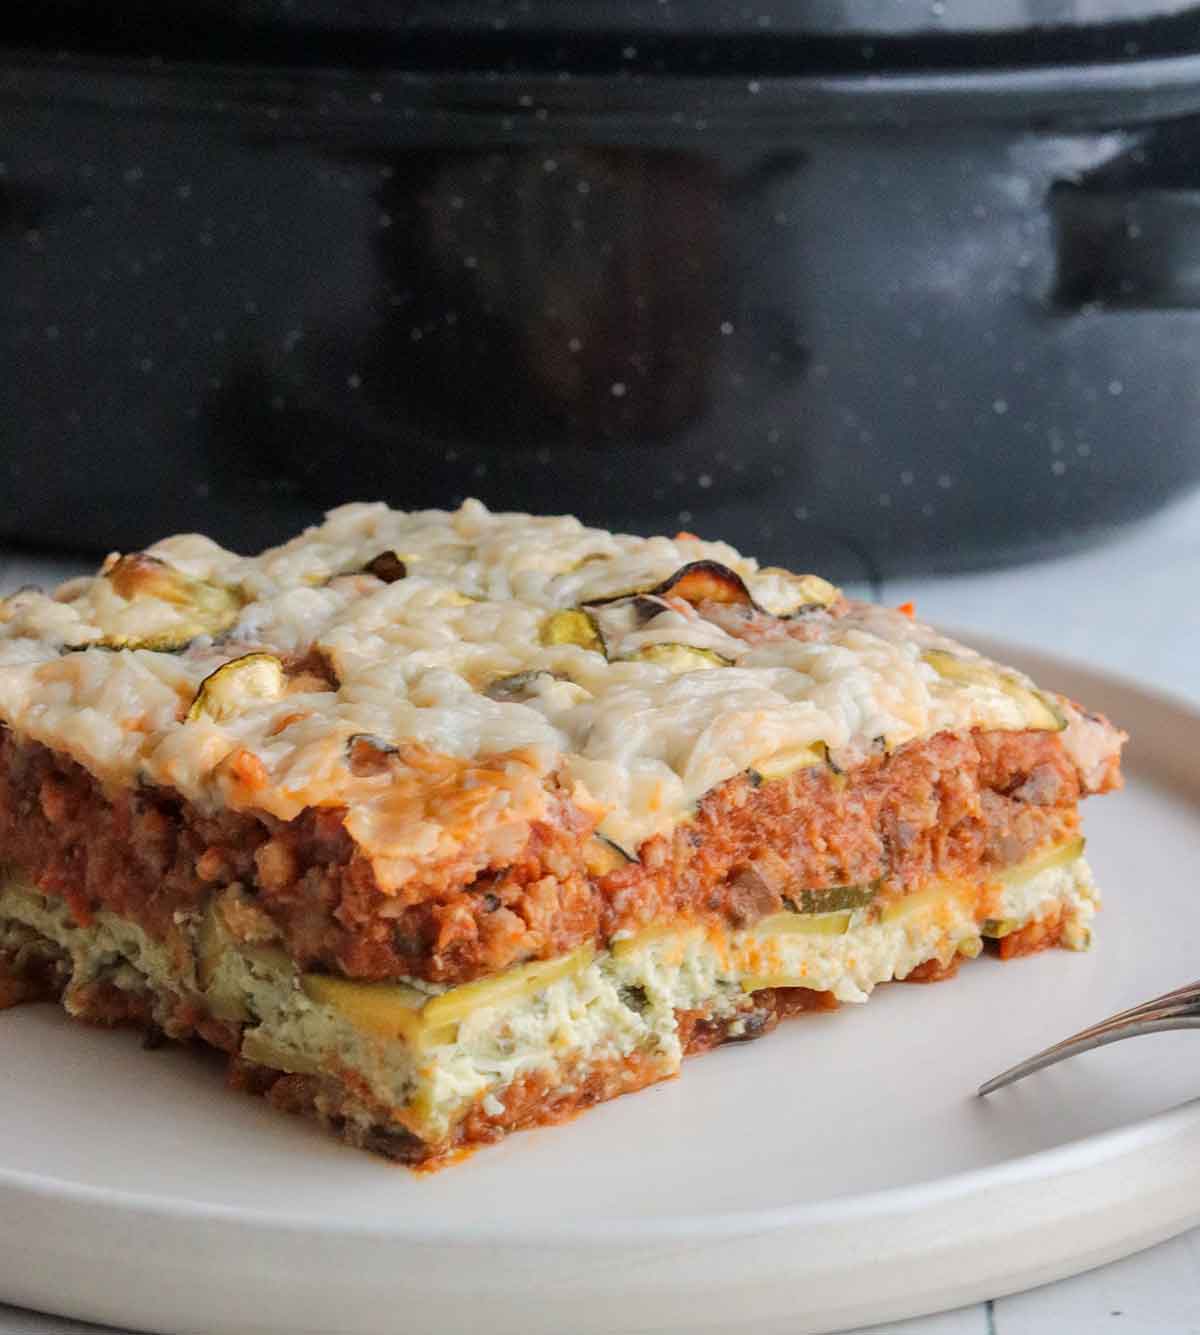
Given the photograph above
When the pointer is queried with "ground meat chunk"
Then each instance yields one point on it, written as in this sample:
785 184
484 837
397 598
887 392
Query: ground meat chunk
751 896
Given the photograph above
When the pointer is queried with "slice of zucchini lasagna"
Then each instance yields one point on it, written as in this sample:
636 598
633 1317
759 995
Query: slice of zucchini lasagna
445 824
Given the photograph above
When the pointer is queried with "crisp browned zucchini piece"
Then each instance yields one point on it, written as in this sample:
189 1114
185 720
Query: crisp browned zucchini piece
237 685
387 566
698 581
518 686
206 608
777 592
705 582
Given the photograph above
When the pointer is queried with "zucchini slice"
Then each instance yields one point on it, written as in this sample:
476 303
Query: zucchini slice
573 626
776 592
698 581
784 594
679 657
1039 710
399 1012
1062 855
614 620
705 581
525 980
932 896
387 1010
1059 856
805 924
518 687
602 855
836 898
237 685
206 608
786 762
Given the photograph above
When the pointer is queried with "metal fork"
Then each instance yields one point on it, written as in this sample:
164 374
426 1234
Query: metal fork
1175 1010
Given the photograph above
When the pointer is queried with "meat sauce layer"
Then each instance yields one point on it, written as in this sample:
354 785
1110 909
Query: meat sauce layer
948 806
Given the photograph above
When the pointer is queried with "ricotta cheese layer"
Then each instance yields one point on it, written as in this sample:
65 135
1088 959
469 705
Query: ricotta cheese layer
629 999
420 649
609 1006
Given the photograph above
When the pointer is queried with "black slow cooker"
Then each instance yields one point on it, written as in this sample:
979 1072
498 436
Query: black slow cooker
863 285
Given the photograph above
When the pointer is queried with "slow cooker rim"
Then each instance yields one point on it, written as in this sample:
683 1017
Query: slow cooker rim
1125 92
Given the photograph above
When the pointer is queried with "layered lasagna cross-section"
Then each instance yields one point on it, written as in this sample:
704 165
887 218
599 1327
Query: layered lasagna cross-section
442 824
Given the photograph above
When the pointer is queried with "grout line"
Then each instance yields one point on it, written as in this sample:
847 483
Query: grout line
989 1311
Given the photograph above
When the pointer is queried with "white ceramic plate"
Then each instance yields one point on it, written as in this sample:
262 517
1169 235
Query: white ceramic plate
836 1173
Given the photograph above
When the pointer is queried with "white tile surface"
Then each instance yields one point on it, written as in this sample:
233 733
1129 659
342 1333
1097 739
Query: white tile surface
1133 607
963 1321
1156 1293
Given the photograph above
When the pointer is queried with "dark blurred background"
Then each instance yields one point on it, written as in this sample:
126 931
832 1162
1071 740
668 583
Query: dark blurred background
871 287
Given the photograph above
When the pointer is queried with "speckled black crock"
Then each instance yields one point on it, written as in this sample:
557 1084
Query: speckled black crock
859 305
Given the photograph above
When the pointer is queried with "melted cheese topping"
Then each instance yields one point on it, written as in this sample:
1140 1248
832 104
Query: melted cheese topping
634 740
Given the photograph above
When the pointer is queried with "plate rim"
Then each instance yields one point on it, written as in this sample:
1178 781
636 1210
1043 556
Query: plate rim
1088 1152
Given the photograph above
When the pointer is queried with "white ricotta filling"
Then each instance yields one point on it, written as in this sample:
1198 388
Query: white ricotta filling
1036 897
623 1002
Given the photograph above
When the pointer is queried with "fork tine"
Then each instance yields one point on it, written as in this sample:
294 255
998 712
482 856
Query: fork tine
1175 1010
1072 1047
1180 999
1189 993
1117 1025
